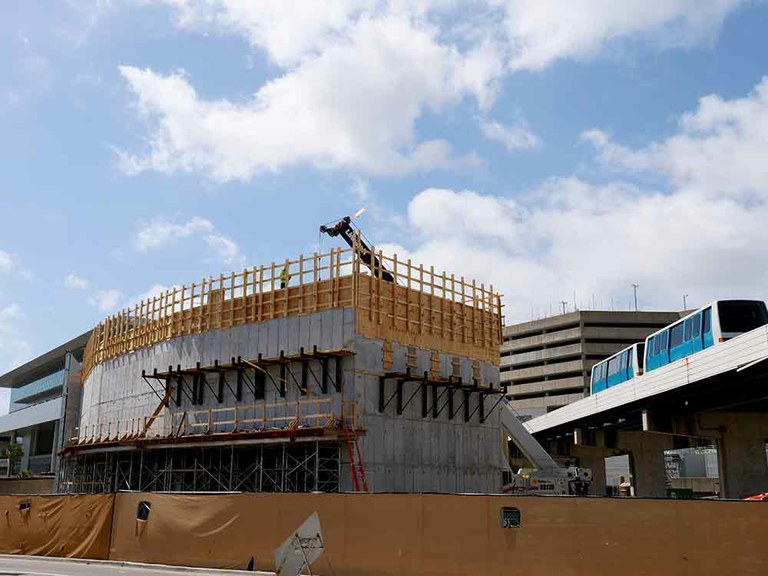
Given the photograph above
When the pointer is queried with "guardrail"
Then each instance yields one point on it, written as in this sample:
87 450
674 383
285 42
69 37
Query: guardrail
291 415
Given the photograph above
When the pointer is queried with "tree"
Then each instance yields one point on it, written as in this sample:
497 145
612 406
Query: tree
14 452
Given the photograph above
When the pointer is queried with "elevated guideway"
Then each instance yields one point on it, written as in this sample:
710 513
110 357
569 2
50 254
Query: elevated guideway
715 397
736 355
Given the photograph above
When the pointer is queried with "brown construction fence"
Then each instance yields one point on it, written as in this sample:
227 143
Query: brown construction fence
400 534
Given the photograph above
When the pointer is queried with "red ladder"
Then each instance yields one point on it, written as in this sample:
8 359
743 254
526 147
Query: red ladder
355 459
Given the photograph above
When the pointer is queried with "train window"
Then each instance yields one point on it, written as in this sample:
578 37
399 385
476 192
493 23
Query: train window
707 321
613 366
676 335
656 345
696 326
742 316
664 338
688 326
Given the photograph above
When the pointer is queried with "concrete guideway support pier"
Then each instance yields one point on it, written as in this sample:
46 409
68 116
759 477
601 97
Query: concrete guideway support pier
646 450
742 457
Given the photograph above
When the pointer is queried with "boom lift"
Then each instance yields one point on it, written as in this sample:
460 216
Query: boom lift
547 477
352 236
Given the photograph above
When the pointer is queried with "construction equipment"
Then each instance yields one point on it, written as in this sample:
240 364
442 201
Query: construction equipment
352 236
547 477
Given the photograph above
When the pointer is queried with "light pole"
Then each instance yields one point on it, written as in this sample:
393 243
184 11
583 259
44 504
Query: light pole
634 287
685 302
564 303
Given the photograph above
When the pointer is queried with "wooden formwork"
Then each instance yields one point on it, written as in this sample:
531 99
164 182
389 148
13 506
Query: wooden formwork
421 307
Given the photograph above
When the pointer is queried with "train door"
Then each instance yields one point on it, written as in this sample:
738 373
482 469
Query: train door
677 345
688 337
696 335
664 357
707 339
638 354
614 366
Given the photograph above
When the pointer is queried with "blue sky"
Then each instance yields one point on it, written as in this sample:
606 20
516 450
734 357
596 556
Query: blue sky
561 151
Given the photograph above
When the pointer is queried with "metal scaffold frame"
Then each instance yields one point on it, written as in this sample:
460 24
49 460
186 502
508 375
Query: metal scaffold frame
308 466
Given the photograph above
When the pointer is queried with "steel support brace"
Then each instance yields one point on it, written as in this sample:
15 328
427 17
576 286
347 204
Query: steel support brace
419 386
339 374
282 374
467 396
479 408
445 392
239 385
323 374
501 397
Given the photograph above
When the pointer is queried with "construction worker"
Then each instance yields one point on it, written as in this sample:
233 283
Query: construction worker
284 277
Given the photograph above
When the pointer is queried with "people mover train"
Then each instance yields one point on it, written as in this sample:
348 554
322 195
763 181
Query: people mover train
706 327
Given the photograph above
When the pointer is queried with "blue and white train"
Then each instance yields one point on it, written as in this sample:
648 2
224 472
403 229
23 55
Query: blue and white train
706 327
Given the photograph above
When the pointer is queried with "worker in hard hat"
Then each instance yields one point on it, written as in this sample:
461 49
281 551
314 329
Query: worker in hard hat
284 277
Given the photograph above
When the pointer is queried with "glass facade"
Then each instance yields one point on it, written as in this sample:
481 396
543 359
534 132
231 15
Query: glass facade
30 392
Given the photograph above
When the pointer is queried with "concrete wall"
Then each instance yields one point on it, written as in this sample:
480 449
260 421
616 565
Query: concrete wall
405 452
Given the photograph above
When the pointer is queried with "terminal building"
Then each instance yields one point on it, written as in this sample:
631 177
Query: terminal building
35 419
547 363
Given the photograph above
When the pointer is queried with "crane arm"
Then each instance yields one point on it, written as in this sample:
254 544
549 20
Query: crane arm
344 229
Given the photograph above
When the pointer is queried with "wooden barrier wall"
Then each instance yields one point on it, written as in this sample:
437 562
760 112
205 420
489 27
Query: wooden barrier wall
396 534
400 534
77 526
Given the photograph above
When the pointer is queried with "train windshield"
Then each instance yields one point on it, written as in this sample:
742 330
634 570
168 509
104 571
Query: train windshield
742 316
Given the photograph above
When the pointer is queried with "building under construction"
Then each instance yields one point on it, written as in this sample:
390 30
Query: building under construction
348 370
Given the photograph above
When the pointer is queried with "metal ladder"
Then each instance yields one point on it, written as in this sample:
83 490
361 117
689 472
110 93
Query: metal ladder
359 480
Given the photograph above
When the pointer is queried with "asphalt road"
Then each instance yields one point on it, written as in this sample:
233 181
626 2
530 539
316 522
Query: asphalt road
35 566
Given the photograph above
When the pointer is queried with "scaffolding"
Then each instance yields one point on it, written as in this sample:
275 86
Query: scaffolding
305 466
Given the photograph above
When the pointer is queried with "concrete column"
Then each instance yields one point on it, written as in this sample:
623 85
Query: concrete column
741 451
26 436
593 458
647 460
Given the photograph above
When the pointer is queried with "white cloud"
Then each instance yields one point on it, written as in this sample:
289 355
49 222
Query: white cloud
226 250
6 262
14 349
162 232
353 77
107 300
511 137
10 263
540 32
75 282
718 150
353 105
702 234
